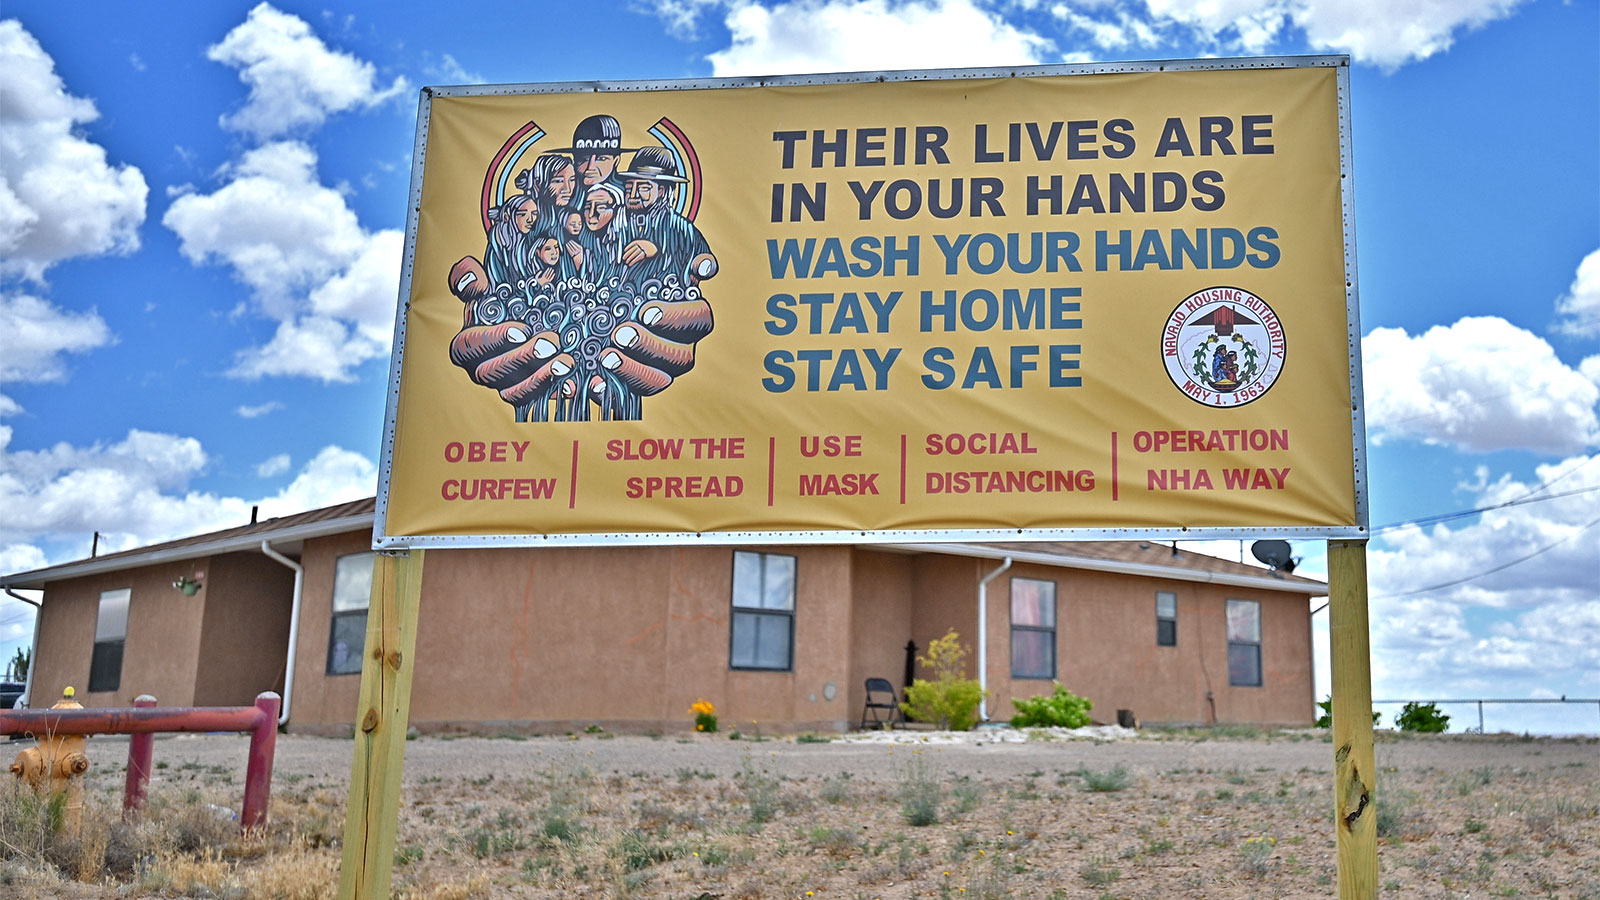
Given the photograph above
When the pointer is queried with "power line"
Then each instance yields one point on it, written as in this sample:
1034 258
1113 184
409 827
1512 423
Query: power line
1500 568
1525 498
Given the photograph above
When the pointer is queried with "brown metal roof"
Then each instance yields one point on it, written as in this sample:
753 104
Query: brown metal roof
1150 553
358 514
361 511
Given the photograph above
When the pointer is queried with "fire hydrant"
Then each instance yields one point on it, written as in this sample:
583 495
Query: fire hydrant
56 762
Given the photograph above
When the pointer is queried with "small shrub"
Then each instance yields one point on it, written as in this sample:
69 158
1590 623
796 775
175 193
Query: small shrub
1098 871
920 792
1114 779
812 738
950 700
836 788
1255 856
705 716
1422 717
1326 719
760 791
638 851
1061 709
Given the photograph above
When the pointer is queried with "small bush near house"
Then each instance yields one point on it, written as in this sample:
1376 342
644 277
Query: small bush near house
949 701
1061 709
705 716
1326 719
1423 717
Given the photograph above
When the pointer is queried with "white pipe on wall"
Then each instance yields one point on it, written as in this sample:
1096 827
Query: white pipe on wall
983 637
294 627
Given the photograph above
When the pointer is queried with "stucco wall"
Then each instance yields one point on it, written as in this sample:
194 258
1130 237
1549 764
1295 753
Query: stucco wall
160 652
245 633
623 637
944 592
880 623
320 698
1106 650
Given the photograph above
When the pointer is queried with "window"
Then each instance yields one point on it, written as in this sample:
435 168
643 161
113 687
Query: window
1166 619
352 588
1244 643
1033 628
110 631
763 612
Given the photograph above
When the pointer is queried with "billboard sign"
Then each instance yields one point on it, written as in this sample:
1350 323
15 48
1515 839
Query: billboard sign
1068 301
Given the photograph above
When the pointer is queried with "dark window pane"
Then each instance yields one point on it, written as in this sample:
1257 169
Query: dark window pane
761 641
1167 632
105 666
346 642
1033 654
1244 665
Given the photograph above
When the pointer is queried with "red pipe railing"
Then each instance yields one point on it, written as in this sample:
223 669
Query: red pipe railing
146 719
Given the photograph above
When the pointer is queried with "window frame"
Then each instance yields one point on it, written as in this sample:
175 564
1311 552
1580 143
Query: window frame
338 614
1172 618
1242 643
735 611
1011 611
102 681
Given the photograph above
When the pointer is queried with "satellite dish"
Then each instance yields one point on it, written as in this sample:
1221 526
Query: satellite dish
1274 554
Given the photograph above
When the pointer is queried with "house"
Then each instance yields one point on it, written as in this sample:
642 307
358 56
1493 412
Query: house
555 639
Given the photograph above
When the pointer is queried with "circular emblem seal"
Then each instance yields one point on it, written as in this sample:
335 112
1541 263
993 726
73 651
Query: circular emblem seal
1223 346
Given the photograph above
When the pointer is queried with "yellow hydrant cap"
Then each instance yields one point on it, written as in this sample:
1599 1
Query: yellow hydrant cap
69 692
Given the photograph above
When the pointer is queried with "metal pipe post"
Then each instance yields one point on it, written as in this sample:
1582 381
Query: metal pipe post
140 748
258 771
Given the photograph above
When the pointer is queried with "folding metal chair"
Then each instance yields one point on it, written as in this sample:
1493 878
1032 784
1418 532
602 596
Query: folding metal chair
881 697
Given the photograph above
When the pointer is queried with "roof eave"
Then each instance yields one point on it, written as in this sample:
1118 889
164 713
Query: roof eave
37 579
1146 570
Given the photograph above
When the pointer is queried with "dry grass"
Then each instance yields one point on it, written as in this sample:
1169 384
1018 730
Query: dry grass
767 827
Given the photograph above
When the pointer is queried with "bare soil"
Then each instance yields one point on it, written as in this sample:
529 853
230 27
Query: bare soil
704 817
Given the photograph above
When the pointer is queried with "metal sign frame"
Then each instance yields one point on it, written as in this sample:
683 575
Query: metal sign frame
1341 63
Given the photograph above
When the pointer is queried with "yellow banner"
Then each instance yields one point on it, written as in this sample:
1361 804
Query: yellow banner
979 307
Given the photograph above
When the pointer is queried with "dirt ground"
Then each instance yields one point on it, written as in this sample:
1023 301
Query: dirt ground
706 817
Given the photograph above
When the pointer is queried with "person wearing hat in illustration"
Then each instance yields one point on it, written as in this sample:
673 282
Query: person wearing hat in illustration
660 241
596 148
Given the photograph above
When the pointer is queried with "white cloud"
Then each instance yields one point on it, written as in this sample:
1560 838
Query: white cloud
1590 367
1391 33
21 558
844 35
1579 308
1508 629
680 16
47 214
1384 33
135 492
259 410
329 283
295 80
38 333
1480 384
275 465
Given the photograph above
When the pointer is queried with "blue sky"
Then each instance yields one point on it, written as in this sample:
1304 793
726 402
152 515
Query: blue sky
200 233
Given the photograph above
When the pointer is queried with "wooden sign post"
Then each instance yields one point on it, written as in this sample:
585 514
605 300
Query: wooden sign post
381 717
1350 654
